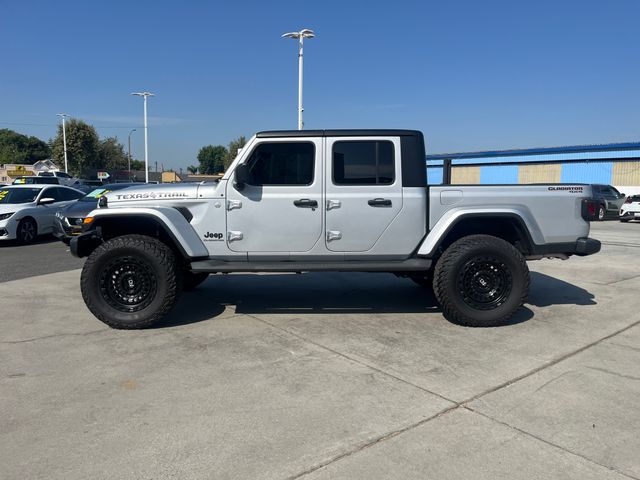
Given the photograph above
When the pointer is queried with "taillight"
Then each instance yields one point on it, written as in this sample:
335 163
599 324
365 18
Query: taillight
590 209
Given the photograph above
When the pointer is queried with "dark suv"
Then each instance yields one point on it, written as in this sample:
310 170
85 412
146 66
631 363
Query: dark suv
610 200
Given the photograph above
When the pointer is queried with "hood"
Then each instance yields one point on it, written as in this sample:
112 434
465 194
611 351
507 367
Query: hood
79 209
152 194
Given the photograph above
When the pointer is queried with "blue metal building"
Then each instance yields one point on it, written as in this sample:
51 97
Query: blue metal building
615 164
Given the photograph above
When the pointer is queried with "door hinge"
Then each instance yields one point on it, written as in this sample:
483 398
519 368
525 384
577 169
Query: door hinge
331 204
231 204
233 236
333 235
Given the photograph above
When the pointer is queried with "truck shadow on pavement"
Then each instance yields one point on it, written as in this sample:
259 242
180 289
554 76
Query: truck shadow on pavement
343 294
546 291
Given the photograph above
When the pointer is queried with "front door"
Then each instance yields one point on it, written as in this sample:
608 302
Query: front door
280 208
363 191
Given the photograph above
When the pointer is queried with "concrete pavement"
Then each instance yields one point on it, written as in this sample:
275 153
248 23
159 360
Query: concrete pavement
329 376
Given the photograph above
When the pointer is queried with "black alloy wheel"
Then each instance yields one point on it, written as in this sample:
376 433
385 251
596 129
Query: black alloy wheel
484 283
128 284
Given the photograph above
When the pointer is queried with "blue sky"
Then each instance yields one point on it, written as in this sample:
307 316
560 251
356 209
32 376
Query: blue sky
472 75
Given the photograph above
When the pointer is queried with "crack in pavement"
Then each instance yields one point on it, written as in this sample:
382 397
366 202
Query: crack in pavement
35 339
456 405
547 442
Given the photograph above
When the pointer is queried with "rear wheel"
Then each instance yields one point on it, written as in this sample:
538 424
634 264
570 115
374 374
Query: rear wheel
481 281
27 230
130 281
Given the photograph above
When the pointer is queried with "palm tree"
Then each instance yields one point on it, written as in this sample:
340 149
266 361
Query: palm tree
192 169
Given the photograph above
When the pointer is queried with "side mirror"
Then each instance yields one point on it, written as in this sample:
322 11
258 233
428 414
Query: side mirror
622 195
242 175
46 201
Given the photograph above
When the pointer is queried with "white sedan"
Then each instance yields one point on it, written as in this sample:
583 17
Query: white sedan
630 209
27 211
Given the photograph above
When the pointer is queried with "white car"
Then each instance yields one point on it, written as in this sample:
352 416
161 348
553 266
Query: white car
63 178
27 211
630 209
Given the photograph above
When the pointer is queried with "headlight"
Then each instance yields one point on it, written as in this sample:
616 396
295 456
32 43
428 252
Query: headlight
4 216
59 215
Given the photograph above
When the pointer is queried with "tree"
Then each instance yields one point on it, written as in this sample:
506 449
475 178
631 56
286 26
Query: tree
83 147
137 165
212 159
234 146
111 155
18 148
192 169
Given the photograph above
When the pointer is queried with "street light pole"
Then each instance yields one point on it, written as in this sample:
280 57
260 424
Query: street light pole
144 96
132 130
300 36
64 141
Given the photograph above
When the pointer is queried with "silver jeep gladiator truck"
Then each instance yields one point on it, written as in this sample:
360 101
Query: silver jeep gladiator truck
329 200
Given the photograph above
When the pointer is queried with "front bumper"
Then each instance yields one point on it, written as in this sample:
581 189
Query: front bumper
629 215
63 231
82 245
8 230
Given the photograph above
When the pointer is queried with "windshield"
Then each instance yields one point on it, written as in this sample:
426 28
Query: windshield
94 195
18 195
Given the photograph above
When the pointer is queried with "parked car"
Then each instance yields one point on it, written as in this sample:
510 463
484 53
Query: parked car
87 186
63 178
610 200
68 222
630 209
27 211
36 180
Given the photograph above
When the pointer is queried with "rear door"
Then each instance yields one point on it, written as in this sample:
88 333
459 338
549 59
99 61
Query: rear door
363 190
280 209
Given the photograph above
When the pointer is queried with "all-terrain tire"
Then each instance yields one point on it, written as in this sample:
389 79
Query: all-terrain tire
191 280
130 282
481 281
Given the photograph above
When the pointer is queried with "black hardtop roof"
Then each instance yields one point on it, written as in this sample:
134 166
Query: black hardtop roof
338 133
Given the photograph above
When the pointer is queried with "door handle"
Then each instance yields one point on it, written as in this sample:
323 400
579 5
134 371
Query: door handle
379 202
306 203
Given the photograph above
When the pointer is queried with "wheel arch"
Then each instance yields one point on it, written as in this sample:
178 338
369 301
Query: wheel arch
509 226
166 224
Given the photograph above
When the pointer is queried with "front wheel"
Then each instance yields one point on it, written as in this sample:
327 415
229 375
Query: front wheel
27 231
601 213
130 281
481 281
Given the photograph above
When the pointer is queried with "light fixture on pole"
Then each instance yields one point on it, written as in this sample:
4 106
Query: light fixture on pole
145 95
64 140
300 36
132 130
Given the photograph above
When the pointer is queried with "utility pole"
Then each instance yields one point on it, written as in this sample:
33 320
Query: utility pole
64 140
145 95
133 130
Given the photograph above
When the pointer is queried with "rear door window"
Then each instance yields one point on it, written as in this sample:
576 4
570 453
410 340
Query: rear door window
363 163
